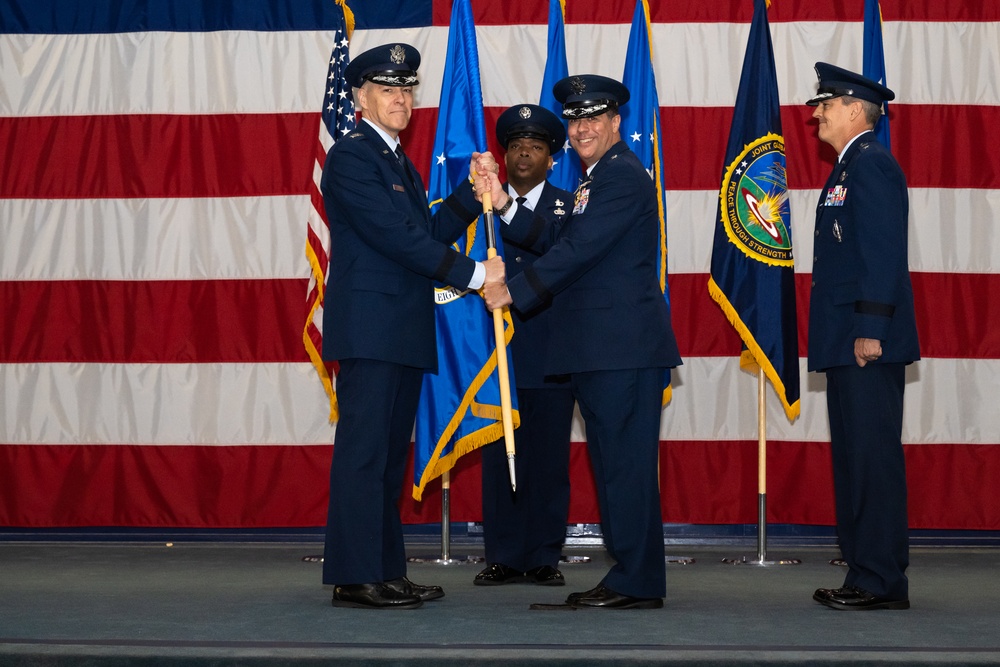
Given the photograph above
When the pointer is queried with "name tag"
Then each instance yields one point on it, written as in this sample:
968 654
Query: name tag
398 188
835 196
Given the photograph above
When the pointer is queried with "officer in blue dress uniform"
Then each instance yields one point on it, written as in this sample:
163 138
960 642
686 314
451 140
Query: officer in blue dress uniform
524 531
385 251
862 334
611 332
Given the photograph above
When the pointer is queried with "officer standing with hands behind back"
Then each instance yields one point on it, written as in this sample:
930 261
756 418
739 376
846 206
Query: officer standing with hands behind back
862 334
524 531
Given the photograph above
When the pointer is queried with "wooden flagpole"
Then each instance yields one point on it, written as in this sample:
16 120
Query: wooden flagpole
506 411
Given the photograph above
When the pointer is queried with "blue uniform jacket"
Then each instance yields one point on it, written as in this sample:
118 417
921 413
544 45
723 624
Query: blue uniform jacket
532 330
608 312
861 280
385 249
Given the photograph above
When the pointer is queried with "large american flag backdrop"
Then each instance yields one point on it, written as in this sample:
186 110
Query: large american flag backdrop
156 177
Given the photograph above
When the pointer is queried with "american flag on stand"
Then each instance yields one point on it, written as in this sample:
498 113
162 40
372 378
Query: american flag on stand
338 121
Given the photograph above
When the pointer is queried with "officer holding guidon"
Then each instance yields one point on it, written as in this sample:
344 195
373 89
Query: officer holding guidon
386 249
611 332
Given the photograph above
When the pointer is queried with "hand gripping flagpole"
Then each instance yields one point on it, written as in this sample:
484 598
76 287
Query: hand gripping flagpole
505 404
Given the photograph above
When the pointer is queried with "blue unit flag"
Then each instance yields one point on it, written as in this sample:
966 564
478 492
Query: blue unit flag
460 404
752 274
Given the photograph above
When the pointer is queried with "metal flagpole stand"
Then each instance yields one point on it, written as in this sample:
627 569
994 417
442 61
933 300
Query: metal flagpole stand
761 487
446 557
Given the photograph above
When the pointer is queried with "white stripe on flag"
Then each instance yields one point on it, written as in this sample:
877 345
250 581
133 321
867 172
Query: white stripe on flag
163 72
277 403
153 239
951 230
153 72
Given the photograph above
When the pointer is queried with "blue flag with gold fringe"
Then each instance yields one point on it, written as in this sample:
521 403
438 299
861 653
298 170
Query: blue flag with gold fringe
566 170
460 404
640 129
873 63
752 273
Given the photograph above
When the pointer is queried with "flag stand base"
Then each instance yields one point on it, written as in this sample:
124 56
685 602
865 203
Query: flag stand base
446 557
761 559
443 559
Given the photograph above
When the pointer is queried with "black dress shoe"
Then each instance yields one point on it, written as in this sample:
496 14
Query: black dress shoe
604 598
573 597
570 600
824 594
545 575
497 574
407 587
373 596
861 600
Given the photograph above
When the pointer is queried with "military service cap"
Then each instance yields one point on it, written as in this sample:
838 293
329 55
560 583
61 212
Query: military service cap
388 65
836 82
530 120
586 95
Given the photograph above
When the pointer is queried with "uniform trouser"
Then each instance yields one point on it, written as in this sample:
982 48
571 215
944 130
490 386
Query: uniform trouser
364 533
869 475
526 529
622 413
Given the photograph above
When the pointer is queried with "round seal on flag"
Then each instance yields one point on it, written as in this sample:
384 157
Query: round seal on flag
754 202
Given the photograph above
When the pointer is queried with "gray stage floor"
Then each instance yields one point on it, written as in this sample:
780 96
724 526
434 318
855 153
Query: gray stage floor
263 604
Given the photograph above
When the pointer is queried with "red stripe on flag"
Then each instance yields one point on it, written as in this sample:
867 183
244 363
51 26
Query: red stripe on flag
953 319
321 253
193 486
694 148
254 155
172 321
487 12
929 159
316 200
209 321
716 483
264 486
126 156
